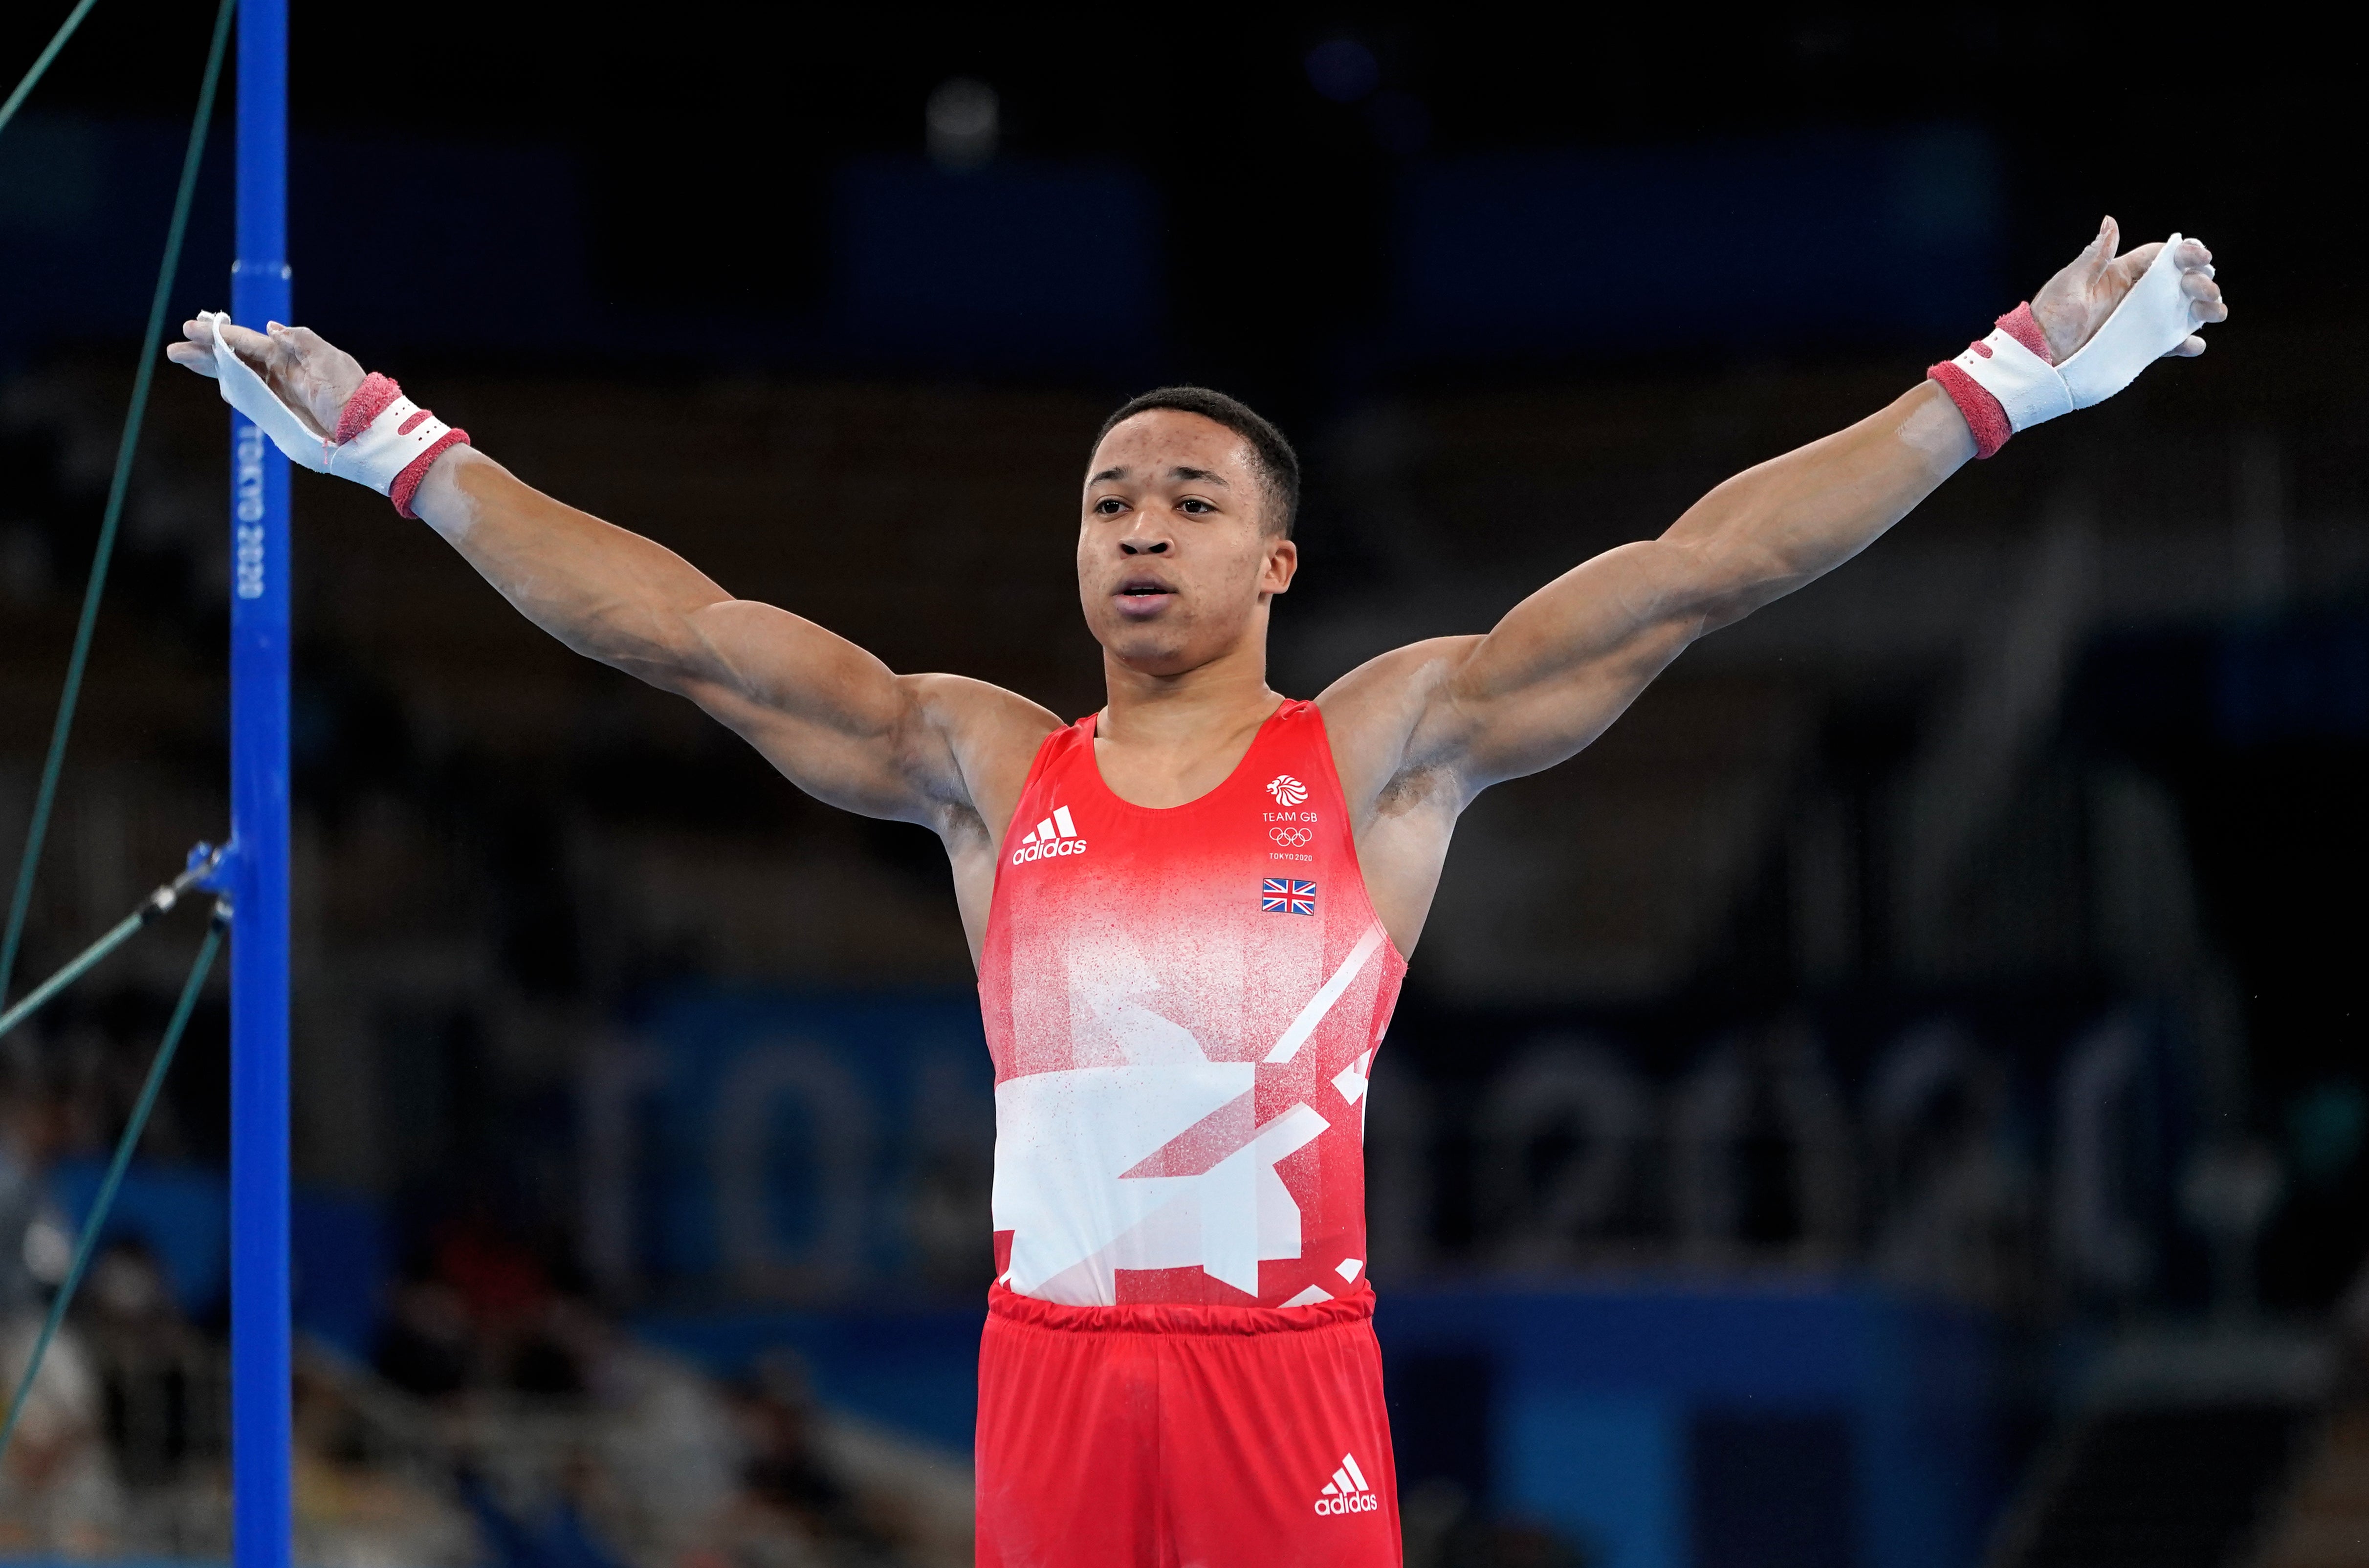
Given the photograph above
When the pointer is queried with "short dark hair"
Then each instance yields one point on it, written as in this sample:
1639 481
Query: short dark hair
1279 465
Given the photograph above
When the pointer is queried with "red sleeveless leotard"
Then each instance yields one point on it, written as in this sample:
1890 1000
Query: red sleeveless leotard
1183 1005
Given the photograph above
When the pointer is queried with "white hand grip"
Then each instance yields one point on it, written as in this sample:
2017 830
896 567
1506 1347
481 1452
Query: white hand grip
2152 320
387 446
247 392
2154 317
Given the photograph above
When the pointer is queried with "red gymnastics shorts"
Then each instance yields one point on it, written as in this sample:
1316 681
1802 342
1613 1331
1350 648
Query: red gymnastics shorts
1182 1436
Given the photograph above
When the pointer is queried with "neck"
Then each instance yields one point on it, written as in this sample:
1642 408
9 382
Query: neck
1209 699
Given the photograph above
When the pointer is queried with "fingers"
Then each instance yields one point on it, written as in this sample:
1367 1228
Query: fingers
2101 249
2191 256
195 351
2130 267
2205 305
197 357
2095 257
247 343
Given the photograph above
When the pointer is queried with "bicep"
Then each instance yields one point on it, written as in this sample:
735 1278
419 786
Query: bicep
1570 659
1562 665
830 717
1462 713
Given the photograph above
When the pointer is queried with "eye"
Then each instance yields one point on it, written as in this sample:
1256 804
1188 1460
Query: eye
1109 506
1195 506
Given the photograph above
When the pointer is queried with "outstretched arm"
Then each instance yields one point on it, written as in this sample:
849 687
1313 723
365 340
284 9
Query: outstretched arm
1567 660
834 719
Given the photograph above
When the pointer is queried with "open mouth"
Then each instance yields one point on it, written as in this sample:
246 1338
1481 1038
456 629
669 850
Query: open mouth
1144 594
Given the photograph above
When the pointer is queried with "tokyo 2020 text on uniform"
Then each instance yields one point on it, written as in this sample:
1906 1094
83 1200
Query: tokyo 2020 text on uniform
1183 1005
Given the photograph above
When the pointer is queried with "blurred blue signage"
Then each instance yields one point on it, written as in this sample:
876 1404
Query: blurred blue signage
1739 1424
771 1147
179 1215
1742 244
763 1147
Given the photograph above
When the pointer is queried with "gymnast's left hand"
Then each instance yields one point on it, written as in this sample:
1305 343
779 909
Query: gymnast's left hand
2072 305
307 372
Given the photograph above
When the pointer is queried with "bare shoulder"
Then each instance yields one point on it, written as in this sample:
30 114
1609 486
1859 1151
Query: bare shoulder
1381 717
992 735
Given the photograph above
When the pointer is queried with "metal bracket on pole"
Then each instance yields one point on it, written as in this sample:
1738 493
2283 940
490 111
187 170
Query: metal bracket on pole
212 868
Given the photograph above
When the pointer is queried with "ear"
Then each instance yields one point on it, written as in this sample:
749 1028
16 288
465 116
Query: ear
1282 561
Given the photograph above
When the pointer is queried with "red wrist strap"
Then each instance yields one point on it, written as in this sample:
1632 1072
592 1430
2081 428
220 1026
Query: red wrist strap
369 401
407 483
1984 416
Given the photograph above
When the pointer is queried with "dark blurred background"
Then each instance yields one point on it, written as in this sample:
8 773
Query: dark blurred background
1897 1099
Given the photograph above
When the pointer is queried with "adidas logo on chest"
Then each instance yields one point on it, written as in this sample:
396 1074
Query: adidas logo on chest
1056 835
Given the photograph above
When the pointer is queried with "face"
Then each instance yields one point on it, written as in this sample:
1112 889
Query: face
1174 567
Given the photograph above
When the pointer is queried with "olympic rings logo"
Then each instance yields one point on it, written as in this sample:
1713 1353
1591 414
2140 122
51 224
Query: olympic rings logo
1291 838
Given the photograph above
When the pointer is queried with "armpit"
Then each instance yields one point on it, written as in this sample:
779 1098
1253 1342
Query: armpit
962 828
1414 788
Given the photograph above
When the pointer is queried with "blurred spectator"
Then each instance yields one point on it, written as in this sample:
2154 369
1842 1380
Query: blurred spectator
507 1294
503 1283
361 1499
482 1313
791 1501
58 1485
560 1538
28 1139
670 1449
151 1361
424 1348
59 1488
575 1446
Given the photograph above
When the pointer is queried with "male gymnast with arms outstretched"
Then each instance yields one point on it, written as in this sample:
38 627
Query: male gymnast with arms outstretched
1191 910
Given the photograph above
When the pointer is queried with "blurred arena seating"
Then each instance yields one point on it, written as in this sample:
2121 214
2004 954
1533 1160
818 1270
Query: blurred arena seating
1874 944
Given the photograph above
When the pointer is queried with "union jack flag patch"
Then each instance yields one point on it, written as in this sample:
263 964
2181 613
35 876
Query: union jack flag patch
1287 896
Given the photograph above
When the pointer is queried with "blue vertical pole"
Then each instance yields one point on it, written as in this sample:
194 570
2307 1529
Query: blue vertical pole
260 1389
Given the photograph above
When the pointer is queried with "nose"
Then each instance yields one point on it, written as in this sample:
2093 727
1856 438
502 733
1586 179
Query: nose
1142 539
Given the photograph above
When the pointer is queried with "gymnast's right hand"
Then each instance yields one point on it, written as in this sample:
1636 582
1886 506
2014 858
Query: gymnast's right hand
307 372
